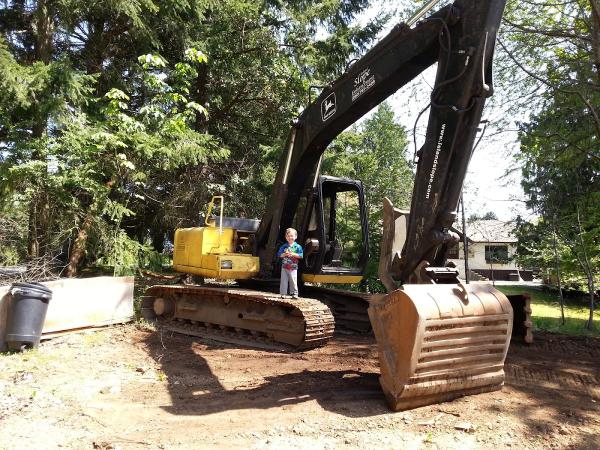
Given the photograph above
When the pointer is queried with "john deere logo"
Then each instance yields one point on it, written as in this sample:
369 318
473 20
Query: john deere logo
328 107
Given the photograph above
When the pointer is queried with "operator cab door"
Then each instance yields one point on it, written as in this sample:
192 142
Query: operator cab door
334 232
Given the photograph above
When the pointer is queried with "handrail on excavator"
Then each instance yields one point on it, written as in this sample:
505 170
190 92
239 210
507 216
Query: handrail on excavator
421 12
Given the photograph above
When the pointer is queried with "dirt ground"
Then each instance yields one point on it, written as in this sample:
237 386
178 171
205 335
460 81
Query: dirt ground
132 387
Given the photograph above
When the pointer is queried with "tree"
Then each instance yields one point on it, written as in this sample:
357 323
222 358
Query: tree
70 69
375 153
560 171
95 164
538 247
552 61
264 57
489 215
561 161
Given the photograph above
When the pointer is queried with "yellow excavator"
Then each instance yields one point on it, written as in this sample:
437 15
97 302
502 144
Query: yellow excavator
438 338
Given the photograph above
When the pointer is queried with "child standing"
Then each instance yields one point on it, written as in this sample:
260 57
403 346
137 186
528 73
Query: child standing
290 253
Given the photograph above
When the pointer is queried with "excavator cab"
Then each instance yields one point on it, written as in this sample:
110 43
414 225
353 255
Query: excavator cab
332 226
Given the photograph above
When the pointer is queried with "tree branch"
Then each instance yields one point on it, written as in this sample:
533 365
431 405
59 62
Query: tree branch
589 105
549 33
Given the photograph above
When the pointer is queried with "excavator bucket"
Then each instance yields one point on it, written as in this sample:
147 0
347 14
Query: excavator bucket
436 342
440 342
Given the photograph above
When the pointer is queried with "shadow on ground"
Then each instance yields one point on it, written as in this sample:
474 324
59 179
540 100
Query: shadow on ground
559 376
552 386
195 389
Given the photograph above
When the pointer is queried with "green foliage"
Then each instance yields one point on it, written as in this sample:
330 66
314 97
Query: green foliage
125 256
557 47
541 248
375 153
547 48
490 215
349 227
127 116
545 312
99 164
560 159
13 233
264 55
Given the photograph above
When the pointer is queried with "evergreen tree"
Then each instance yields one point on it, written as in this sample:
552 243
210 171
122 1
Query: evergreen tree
75 97
555 51
375 153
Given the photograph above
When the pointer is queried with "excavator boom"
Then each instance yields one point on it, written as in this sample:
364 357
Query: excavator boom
439 339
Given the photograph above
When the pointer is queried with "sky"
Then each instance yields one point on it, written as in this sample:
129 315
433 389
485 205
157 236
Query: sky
487 186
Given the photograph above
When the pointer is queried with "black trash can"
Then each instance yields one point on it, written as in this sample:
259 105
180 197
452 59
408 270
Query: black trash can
26 315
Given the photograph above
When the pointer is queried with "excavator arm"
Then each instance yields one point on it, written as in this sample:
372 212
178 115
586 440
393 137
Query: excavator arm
460 38
463 82
402 55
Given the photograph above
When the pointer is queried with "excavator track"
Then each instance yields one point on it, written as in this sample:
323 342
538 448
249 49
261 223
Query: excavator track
348 307
239 316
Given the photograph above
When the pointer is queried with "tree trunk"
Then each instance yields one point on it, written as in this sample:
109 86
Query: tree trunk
44 23
595 34
79 247
40 217
33 240
592 292
587 268
558 276
39 211
201 96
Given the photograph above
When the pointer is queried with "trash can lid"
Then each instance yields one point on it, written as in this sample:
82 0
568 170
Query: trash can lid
31 286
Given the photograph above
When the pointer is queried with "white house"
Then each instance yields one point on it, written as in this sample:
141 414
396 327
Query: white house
492 247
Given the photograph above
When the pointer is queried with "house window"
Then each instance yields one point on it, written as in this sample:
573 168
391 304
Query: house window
496 254
453 251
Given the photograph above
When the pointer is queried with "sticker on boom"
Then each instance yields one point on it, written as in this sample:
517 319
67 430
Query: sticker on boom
328 107
362 83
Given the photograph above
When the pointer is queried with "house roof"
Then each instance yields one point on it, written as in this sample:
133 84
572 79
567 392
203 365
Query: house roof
489 231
